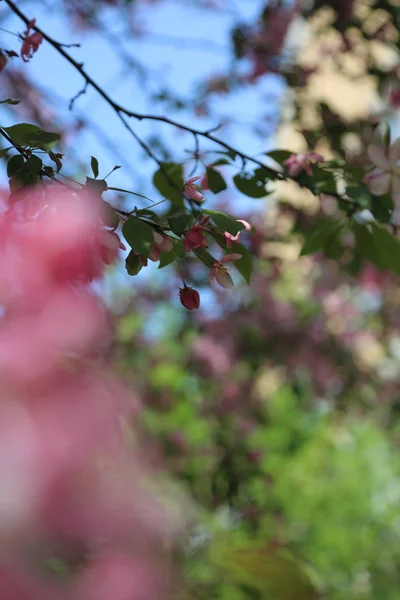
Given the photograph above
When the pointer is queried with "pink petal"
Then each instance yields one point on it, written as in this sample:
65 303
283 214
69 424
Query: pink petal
247 225
379 183
394 153
230 257
192 180
223 278
378 156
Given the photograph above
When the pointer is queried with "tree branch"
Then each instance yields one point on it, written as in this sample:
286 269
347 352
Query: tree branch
121 111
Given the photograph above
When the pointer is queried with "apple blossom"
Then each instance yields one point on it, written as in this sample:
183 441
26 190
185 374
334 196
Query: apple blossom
302 162
195 238
385 177
192 190
220 273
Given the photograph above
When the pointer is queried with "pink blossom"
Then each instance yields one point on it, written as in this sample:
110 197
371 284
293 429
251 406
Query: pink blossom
302 162
229 238
195 238
30 45
162 243
66 472
192 190
385 177
220 273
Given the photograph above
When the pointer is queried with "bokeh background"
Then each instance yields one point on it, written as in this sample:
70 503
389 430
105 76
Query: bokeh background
275 406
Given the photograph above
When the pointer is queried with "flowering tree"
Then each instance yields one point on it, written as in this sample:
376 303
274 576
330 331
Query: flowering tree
91 493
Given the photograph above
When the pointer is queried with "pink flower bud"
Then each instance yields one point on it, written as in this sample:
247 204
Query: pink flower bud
195 238
223 278
189 297
220 273
192 190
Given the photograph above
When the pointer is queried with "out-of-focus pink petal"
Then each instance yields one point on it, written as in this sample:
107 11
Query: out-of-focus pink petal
378 182
378 157
394 153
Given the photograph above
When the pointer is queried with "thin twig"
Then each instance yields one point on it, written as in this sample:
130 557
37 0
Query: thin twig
121 111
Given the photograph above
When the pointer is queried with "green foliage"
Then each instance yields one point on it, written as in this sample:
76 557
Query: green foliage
215 181
168 180
252 185
225 222
94 164
139 235
179 223
377 245
25 134
323 237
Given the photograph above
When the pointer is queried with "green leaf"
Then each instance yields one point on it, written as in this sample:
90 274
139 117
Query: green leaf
5 151
220 162
9 101
378 246
332 247
323 230
205 257
231 153
252 185
279 156
14 164
97 186
149 214
360 194
224 222
25 134
179 223
215 181
245 264
169 182
133 264
49 171
34 165
276 575
94 164
382 208
167 258
139 235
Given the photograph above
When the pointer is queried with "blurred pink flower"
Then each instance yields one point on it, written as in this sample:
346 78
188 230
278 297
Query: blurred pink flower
385 177
302 162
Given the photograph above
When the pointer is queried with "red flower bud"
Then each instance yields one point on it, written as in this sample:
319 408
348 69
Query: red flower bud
189 297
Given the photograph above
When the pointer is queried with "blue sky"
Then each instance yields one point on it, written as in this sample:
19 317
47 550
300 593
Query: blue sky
178 66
